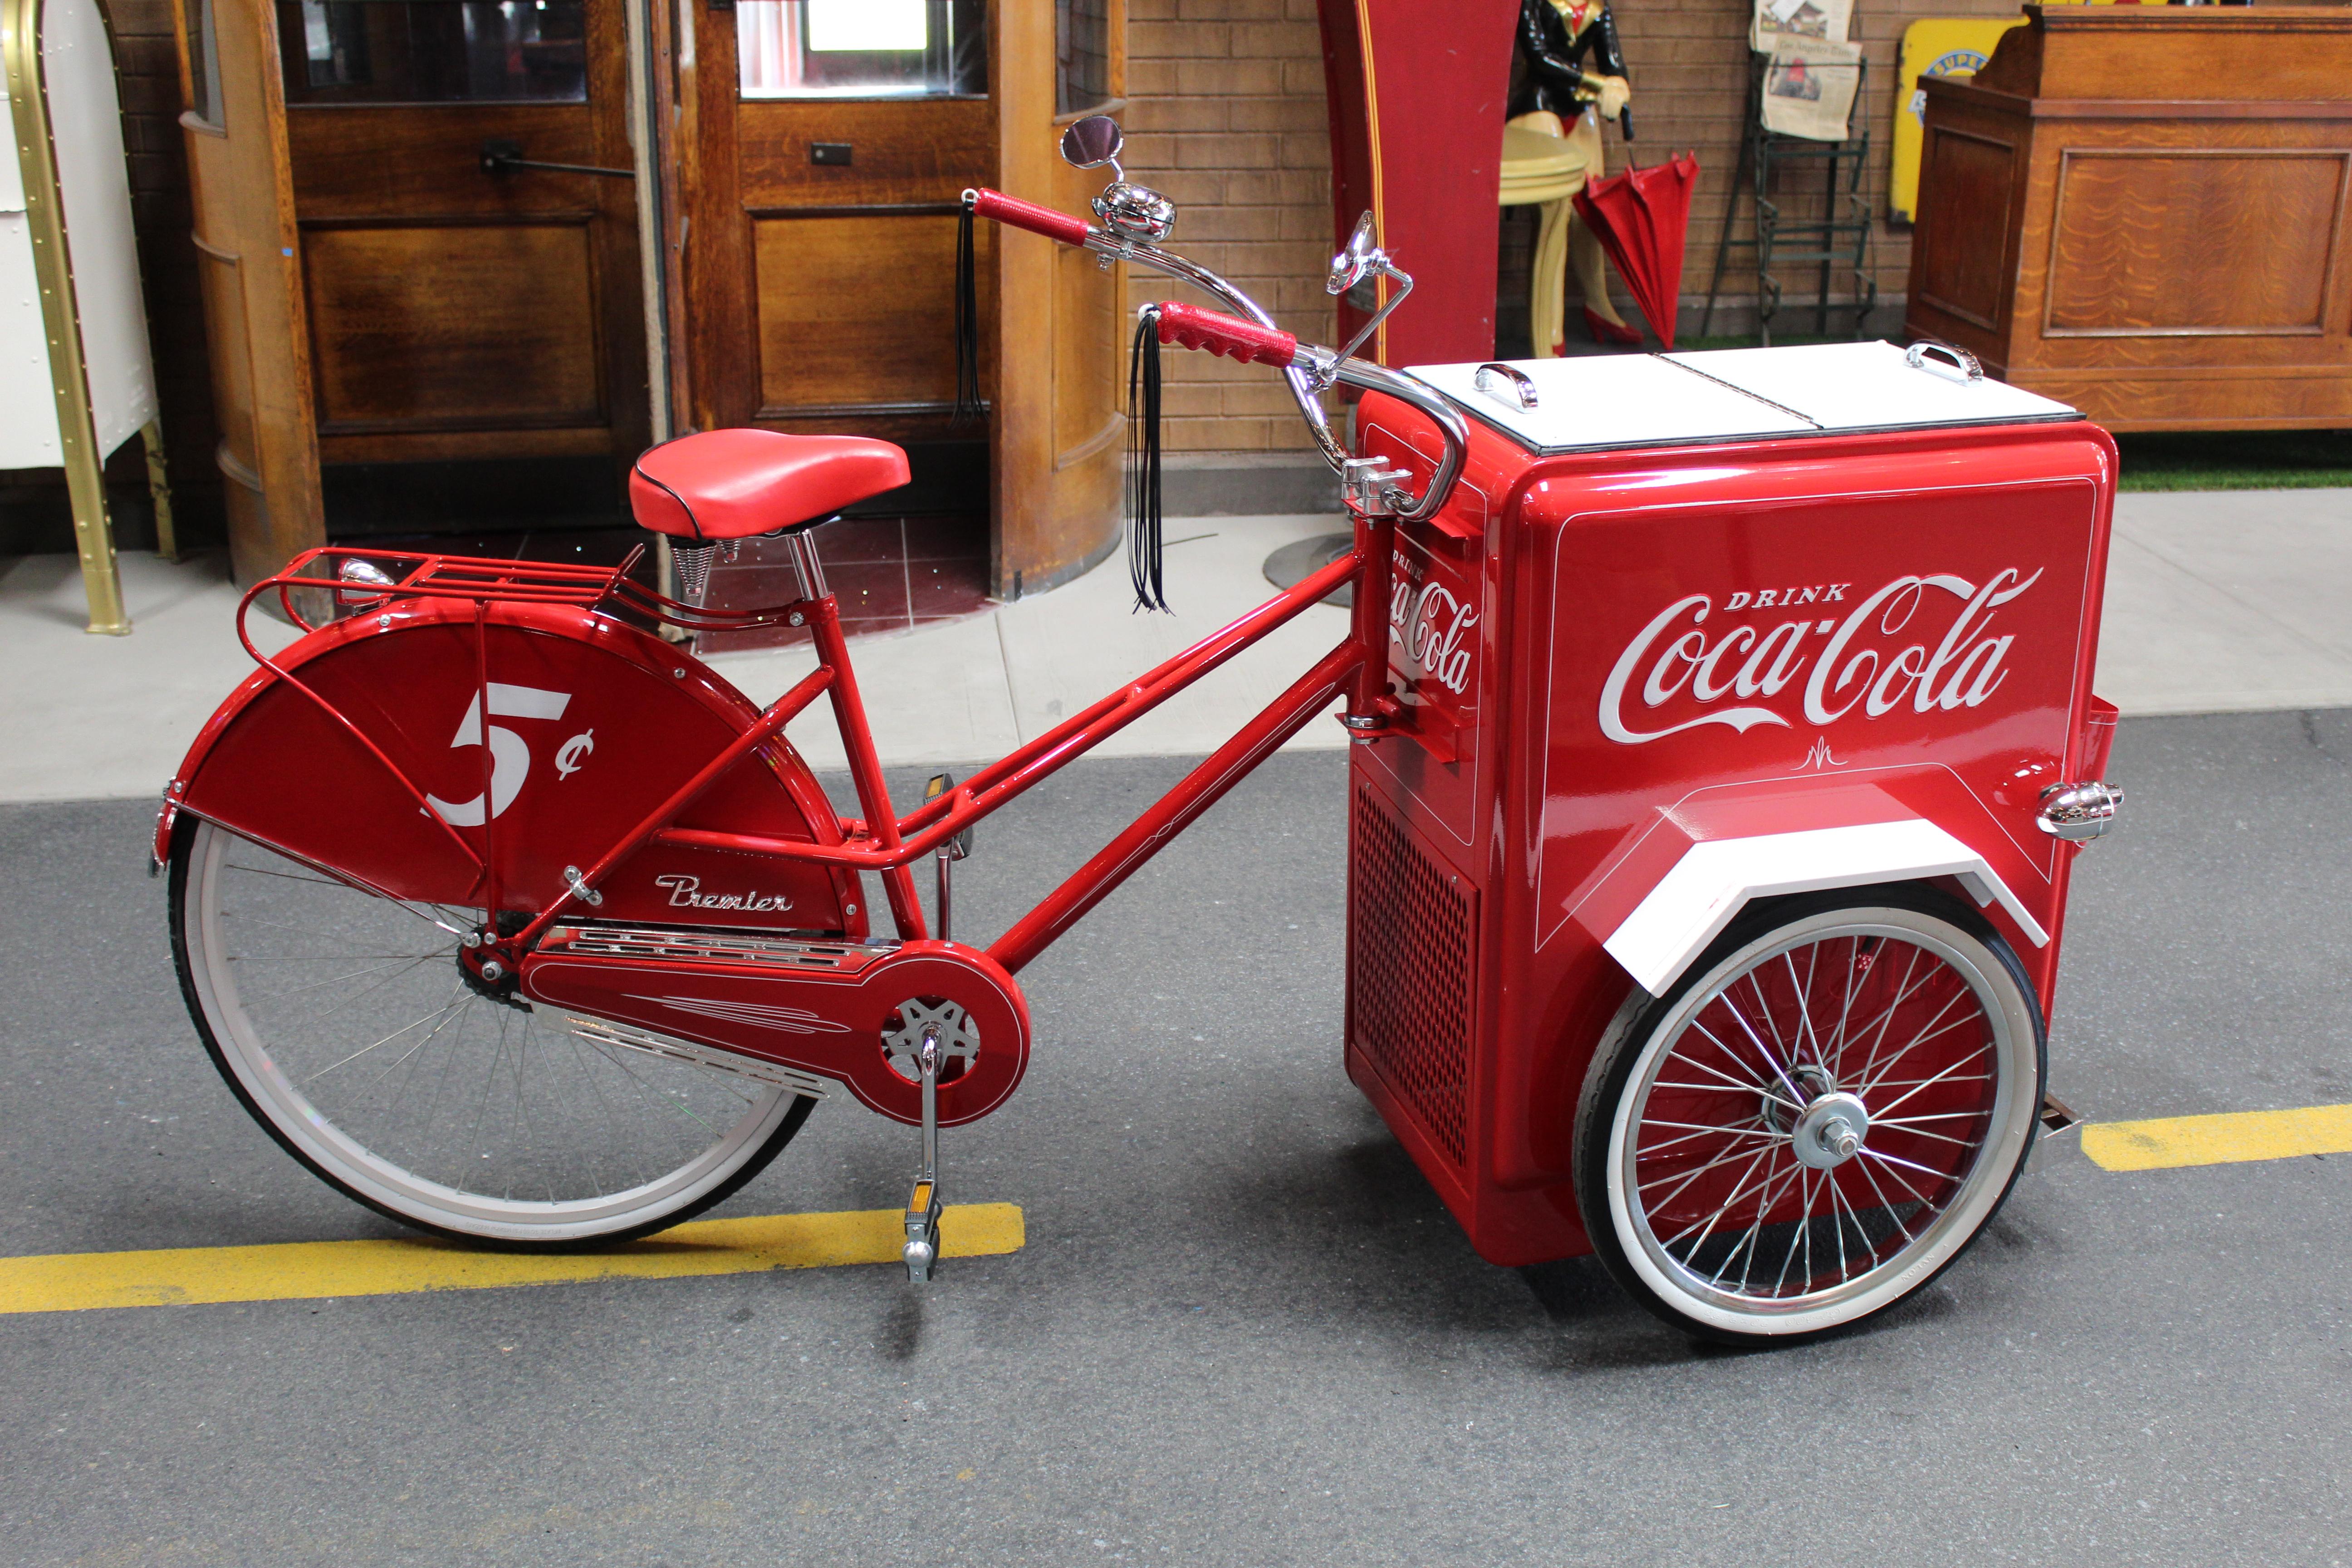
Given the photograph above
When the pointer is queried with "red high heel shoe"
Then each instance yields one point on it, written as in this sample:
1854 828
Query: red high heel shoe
1605 331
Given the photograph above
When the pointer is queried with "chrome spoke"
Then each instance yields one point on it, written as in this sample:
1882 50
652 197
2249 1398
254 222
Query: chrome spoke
1688 1178
1927 1084
1886 1017
1885 1158
1757 1087
1738 1185
1723 1132
442 1013
1796 1095
1897 1176
1925 1035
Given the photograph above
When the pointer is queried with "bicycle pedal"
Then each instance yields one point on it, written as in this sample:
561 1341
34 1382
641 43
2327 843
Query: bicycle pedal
922 1250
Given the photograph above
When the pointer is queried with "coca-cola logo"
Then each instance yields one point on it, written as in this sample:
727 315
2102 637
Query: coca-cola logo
1872 659
1432 625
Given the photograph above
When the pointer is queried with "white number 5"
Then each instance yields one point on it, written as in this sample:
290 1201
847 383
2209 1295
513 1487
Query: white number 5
509 757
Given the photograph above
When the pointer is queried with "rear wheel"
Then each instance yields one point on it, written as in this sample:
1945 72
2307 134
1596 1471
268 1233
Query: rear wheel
342 1022
1816 1121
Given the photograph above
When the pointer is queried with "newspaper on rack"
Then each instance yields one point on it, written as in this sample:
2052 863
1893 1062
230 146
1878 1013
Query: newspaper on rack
1808 88
1799 21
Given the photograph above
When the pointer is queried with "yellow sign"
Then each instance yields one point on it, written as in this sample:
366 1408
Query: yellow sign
1954 47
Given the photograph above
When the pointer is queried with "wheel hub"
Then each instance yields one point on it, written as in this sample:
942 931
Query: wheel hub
490 972
1830 1130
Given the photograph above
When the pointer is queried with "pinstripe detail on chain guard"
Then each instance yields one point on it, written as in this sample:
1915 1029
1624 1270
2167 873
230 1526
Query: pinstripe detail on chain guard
821 1007
541 737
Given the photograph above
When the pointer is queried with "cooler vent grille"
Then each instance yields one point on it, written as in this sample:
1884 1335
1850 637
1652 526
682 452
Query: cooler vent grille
1409 969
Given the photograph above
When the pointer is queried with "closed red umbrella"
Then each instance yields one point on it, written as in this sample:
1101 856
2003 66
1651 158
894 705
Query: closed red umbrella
1641 218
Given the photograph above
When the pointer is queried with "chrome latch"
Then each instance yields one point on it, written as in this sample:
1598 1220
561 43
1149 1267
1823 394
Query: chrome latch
2079 811
1506 385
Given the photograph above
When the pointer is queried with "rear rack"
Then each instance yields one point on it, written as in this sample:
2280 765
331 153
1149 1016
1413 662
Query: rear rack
313 580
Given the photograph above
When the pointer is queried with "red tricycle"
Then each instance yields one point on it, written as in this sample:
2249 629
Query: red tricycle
1721 737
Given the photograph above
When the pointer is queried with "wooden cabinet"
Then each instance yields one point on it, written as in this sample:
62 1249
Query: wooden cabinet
2141 210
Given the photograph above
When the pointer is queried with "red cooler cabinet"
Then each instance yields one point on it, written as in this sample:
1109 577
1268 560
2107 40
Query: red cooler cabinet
1695 629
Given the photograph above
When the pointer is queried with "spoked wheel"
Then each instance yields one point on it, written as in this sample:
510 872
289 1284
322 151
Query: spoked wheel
1816 1121
341 1020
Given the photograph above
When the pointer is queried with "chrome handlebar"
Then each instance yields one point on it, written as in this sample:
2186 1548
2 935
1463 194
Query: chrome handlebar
1316 368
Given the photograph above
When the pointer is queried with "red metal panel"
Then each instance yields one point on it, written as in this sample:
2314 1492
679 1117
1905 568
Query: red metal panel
590 724
1717 641
1416 90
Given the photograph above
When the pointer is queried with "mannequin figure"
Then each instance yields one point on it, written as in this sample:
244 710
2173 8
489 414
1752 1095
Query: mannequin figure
1562 97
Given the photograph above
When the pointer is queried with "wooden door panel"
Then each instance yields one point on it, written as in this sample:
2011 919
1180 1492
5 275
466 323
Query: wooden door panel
402 159
454 326
899 152
2262 226
856 315
1975 181
244 228
230 351
1086 317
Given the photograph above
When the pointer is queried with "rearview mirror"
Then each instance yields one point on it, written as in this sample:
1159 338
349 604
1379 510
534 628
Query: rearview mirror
1361 258
1092 141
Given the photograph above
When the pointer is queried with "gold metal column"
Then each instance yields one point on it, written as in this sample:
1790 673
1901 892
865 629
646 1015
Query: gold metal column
20 54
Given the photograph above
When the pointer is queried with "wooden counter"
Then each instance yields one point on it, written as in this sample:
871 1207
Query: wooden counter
2140 211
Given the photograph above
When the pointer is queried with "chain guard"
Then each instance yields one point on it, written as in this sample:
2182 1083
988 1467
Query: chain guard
837 1010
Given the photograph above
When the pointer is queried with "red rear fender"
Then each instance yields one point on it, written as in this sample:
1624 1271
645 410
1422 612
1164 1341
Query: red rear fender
414 784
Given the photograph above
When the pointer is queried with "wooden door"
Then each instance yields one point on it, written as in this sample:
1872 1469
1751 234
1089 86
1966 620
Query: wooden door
821 183
1060 315
245 247
821 193
455 311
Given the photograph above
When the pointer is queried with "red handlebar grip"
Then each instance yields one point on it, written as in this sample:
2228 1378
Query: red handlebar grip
1220 334
1053 225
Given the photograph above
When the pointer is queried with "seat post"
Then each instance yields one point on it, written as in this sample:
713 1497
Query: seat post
803 544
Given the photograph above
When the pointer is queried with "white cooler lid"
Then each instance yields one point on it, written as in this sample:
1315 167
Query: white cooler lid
1599 402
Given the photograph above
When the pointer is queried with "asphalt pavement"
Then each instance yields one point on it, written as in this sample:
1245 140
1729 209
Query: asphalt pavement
1243 1330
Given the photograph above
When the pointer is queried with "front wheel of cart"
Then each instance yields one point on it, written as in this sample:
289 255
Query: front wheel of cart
1816 1119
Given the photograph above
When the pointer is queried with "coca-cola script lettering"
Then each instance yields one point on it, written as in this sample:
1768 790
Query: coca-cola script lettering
1433 627
1872 659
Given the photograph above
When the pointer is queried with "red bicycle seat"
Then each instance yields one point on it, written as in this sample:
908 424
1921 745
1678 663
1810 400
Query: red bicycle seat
731 484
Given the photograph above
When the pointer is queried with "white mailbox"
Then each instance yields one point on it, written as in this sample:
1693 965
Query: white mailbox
76 379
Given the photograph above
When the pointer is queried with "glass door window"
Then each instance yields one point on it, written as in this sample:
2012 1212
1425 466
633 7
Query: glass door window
1081 55
434 51
862 49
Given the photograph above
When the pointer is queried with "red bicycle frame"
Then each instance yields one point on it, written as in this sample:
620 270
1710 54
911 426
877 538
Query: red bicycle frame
882 842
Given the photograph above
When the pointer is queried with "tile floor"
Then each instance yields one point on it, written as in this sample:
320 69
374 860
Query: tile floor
889 574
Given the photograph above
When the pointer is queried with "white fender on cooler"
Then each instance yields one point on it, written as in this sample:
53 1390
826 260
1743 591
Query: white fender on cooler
1698 897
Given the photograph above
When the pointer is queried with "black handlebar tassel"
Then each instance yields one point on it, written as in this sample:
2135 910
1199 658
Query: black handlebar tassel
1143 534
967 323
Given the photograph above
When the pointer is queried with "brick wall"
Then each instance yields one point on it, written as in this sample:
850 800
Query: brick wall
1225 116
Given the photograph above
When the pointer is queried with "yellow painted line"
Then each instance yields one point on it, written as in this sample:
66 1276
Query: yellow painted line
308 1270
2219 1140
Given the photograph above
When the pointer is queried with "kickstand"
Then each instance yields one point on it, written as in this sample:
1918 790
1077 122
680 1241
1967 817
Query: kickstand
923 1206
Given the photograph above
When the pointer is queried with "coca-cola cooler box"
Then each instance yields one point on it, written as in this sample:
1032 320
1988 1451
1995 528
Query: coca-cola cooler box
1723 599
